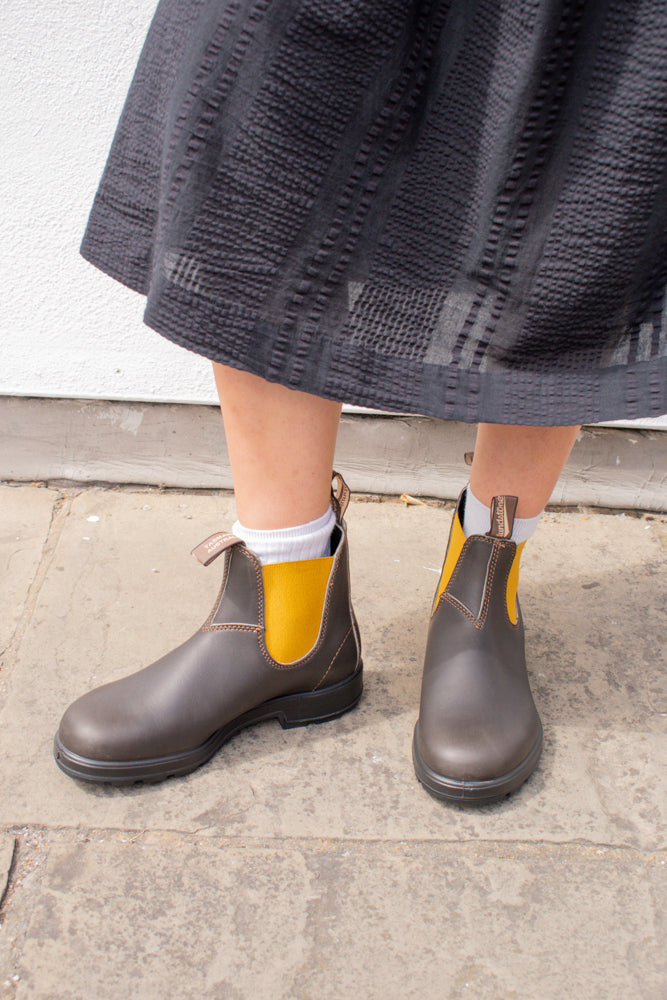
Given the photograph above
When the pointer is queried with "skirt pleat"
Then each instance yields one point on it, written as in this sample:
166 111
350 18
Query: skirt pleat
450 208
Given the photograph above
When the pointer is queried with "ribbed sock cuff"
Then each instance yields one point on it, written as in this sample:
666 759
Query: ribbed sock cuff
477 520
303 541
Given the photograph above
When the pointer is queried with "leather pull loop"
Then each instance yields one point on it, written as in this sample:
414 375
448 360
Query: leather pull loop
215 545
340 495
503 510
468 457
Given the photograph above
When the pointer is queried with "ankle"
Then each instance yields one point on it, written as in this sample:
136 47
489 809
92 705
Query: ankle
477 520
302 541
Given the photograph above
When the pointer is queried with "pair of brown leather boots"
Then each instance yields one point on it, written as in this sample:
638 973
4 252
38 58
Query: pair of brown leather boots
478 736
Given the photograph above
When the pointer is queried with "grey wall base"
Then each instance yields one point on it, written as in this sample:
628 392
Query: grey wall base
180 445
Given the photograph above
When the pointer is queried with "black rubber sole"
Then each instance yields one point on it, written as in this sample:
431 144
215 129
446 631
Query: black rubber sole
290 711
475 793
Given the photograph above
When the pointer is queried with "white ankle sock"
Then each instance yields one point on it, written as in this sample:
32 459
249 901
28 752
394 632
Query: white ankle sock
303 541
477 520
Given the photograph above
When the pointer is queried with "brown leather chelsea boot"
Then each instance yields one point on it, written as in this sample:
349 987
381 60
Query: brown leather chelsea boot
478 736
175 714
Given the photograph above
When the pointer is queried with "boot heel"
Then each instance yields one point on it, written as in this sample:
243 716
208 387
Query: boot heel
318 706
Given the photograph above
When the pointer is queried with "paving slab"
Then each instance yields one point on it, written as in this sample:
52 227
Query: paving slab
312 920
122 589
25 515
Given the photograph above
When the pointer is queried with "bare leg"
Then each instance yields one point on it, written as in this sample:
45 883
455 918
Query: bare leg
520 461
281 447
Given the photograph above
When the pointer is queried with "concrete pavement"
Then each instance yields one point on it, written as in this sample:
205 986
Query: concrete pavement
310 863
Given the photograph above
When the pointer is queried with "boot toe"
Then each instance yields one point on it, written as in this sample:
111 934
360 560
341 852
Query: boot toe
476 752
80 731
101 727
474 764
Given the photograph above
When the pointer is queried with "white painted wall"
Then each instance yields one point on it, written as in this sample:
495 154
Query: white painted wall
66 330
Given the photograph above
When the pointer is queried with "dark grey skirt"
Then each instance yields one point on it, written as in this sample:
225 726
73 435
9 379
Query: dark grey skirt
450 208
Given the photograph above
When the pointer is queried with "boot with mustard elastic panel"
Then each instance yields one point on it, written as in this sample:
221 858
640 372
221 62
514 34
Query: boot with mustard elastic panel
478 736
281 642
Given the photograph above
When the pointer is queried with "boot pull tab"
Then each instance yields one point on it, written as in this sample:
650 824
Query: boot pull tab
340 495
503 510
468 457
215 545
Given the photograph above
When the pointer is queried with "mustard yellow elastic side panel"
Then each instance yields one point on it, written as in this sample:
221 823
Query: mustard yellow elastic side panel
513 584
456 540
294 595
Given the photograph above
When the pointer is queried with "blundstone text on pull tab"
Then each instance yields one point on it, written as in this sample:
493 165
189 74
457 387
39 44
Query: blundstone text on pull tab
215 545
503 510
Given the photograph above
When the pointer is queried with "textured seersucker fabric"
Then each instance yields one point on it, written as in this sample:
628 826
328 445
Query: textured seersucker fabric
451 208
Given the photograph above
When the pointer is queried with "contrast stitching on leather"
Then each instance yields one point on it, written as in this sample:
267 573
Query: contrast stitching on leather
443 595
335 568
440 586
241 550
498 545
488 582
210 626
326 672
232 627
260 584
462 608
480 621
353 617
305 660
459 562
223 584
517 623
357 633
312 652
454 601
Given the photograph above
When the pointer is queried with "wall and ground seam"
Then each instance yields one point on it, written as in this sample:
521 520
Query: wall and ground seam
164 444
